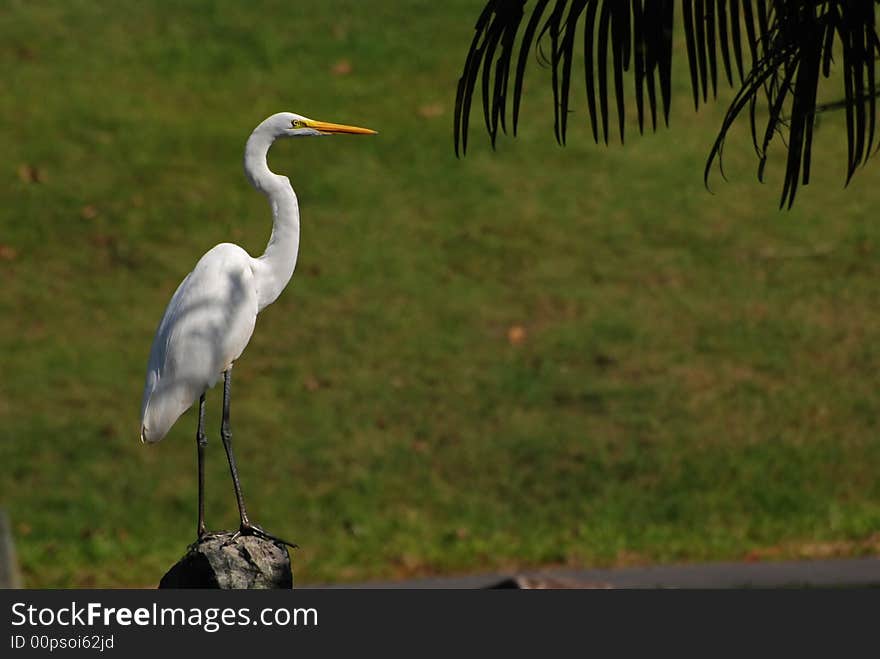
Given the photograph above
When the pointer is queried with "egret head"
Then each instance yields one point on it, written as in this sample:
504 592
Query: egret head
288 124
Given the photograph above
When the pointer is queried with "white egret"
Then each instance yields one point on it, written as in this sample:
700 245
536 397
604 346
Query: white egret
211 316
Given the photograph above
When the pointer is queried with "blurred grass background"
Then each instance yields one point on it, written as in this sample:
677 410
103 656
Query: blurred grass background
536 356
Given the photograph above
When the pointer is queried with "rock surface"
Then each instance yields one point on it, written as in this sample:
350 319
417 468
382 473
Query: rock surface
220 562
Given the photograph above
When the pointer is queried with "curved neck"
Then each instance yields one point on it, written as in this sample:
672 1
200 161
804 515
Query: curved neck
275 267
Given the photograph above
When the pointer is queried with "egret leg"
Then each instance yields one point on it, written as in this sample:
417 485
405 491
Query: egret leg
201 443
246 528
226 436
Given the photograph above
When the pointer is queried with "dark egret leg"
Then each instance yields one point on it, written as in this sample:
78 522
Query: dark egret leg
246 528
201 442
226 436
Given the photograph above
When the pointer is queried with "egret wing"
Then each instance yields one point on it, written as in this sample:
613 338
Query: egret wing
206 326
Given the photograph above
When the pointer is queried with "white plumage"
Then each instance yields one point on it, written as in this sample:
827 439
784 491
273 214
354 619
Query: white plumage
206 327
213 312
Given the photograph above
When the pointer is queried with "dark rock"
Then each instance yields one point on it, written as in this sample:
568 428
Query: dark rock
220 562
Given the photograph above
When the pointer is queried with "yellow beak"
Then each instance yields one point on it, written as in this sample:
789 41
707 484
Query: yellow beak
333 129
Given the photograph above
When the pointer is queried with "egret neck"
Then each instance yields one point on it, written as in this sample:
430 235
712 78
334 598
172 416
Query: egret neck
275 267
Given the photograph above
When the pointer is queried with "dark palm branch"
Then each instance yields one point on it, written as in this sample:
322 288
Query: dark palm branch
774 51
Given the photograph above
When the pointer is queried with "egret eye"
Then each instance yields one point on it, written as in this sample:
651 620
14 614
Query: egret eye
297 123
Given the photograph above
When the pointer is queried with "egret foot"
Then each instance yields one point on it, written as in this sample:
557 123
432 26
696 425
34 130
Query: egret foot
253 529
204 536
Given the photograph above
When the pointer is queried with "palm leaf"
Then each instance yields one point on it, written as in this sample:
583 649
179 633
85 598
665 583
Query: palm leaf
776 51
797 50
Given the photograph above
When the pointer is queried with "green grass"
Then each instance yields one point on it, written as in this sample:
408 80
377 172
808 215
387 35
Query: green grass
699 373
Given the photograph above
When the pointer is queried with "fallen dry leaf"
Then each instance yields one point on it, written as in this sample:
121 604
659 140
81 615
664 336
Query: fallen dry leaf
516 335
341 68
31 174
7 253
431 110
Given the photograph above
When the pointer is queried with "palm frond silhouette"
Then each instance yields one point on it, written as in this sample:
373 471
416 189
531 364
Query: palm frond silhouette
773 52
